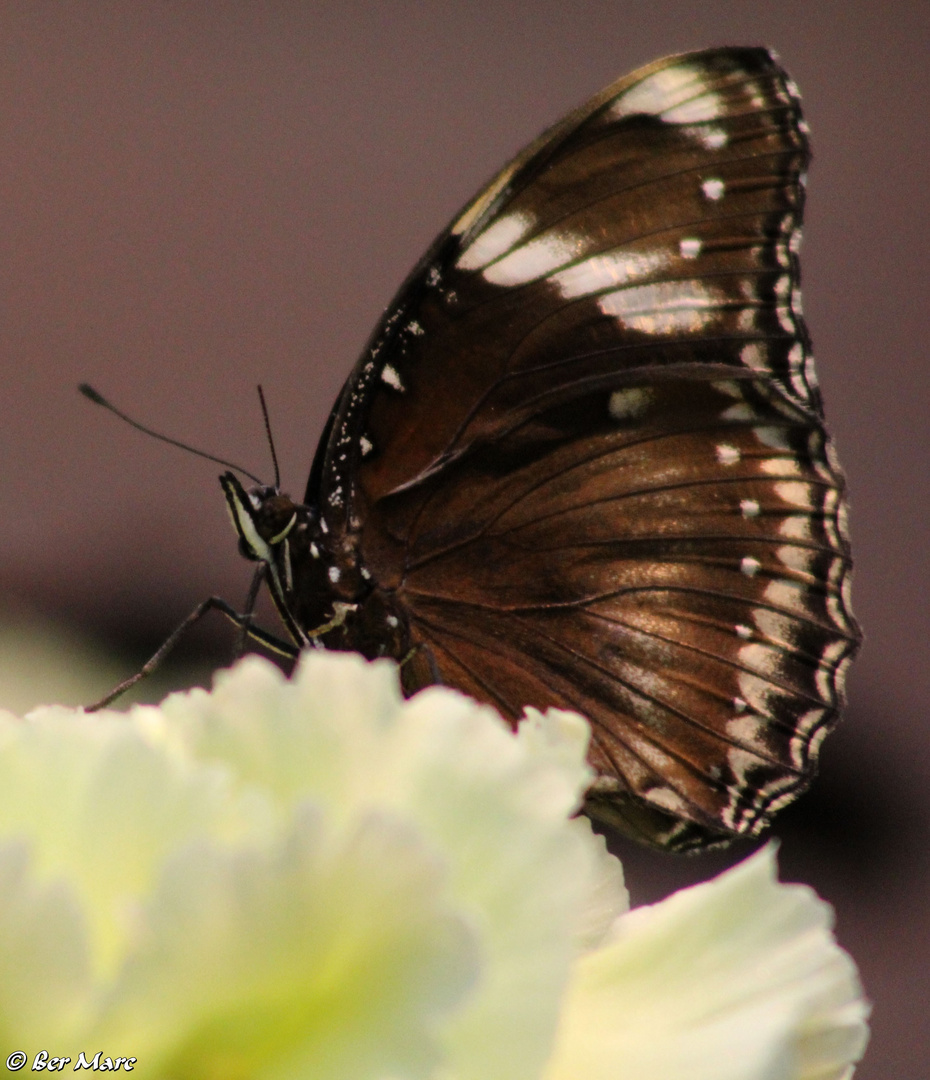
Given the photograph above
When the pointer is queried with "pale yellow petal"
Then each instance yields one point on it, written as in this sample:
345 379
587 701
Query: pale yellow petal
736 979
46 985
99 803
312 958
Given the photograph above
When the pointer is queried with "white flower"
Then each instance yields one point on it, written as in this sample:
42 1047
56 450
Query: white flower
738 977
314 878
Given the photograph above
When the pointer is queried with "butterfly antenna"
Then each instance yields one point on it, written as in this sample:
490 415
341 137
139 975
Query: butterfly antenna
98 399
274 456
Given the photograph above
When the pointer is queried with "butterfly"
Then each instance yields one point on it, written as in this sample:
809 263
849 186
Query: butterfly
582 461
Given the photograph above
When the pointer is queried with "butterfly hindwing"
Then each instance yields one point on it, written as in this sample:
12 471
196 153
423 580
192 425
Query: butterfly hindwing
675 572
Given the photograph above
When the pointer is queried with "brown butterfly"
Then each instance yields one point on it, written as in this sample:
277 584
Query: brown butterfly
582 462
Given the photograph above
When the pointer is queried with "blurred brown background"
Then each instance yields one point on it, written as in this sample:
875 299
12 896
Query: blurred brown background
200 196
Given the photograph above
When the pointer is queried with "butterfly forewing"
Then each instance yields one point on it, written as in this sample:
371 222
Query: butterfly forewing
583 457
638 239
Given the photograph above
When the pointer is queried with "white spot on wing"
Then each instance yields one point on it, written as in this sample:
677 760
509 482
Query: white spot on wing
334 574
748 729
775 438
797 305
795 356
677 94
741 411
667 800
825 678
761 658
713 189
699 110
366 446
713 138
753 356
796 527
727 455
839 677
756 691
663 308
749 566
389 375
746 319
780 466
776 626
749 508
605 271
846 594
605 784
789 595
785 318
795 493
836 612
535 259
832 456
630 403
690 247
497 238
842 520
796 558
810 373
744 759
807 737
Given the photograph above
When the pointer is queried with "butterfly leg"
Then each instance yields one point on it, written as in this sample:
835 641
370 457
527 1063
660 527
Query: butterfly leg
248 611
213 603
340 611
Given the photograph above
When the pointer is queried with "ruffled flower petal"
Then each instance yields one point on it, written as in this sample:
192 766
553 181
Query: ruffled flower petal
495 806
735 979
314 877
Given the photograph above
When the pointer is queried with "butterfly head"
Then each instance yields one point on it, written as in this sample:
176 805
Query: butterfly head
263 518
267 522
312 575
